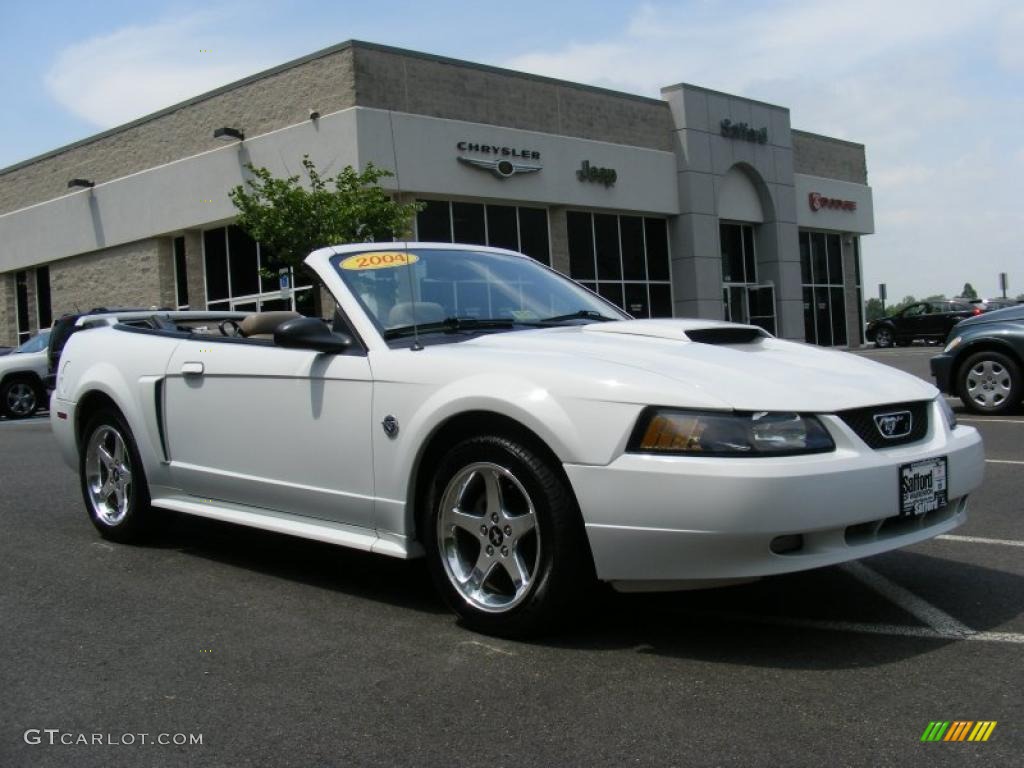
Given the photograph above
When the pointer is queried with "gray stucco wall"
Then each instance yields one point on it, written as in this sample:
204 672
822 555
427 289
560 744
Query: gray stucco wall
829 158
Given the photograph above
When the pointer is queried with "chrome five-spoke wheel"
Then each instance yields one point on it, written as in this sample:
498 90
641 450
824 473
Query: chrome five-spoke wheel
988 384
21 399
488 537
108 475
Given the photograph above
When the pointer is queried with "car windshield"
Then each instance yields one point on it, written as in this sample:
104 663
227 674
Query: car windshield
35 344
450 290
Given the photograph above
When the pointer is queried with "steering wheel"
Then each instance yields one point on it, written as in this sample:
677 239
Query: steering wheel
235 331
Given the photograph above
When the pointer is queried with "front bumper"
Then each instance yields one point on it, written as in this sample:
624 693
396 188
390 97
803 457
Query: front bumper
681 519
942 372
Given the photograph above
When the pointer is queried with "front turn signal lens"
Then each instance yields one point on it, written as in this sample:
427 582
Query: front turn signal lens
710 433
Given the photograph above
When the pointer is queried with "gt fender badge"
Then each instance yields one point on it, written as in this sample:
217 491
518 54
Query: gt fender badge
390 425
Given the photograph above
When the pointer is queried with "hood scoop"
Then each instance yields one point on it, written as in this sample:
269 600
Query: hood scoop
684 329
740 334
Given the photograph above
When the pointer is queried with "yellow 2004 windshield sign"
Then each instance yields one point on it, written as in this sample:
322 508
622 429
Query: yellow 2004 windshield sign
379 260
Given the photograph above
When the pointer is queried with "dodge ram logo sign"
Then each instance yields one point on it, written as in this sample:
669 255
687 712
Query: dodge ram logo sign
818 201
893 425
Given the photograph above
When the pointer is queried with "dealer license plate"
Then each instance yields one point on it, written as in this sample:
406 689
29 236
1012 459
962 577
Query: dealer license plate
922 486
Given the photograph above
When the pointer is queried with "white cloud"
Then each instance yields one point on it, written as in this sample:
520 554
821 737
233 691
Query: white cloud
905 78
136 70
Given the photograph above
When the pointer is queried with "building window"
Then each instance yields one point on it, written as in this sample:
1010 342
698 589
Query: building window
821 268
180 274
744 299
235 267
21 304
623 258
43 308
501 226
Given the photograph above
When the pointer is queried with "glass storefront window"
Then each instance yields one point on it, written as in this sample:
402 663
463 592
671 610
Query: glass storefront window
232 262
180 274
43 308
623 258
21 304
517 228
821 267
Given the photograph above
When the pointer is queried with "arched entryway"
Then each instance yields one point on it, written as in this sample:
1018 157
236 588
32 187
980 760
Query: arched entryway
743 206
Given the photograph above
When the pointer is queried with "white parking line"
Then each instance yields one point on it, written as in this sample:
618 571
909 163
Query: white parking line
940 621
991 421
979 540
897 630
1003 461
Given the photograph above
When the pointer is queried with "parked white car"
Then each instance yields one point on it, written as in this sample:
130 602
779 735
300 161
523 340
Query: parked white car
473 406
22 373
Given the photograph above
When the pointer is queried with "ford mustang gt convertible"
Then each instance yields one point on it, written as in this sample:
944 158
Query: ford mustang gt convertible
471 406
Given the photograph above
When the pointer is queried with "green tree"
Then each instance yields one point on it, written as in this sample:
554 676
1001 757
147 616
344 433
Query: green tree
968 292
290 219
873 310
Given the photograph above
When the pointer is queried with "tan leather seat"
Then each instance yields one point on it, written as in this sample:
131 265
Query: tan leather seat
261 325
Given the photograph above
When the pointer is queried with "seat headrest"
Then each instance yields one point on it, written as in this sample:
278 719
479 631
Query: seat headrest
264 323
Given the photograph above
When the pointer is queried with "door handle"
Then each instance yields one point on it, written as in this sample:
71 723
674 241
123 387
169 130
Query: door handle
192 369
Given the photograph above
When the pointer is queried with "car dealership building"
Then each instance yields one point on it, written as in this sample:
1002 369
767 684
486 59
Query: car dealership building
699 203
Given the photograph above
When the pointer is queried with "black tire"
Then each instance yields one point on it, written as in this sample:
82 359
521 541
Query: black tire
562 569
989 382
20 397
884 337
132 521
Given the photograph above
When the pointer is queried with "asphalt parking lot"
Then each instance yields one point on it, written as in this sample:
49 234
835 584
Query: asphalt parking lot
284 652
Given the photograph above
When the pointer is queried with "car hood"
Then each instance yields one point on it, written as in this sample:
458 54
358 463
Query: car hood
1011 314
22 361
763 374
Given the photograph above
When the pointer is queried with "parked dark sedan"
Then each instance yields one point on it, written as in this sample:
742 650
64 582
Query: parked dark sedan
983 360
925 321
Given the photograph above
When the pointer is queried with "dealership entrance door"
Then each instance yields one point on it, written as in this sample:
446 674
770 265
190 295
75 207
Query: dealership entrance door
750 304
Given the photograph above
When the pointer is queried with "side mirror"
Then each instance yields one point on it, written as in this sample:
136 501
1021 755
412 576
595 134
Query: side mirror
310 333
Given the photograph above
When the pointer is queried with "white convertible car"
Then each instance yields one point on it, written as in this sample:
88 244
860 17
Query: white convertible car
475 407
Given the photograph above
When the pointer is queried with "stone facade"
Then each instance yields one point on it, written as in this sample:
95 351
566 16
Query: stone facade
132 275
829 158
8 334
265 102
428 85
350 74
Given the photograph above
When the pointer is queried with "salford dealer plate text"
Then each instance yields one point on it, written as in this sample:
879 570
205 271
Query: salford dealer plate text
923 486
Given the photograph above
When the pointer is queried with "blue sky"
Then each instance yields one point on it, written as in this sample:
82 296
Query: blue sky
935 90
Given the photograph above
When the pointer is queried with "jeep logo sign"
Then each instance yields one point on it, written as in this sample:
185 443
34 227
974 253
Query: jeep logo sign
588 172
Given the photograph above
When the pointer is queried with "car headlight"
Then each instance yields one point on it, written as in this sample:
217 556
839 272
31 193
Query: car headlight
947 412
712 433
953 344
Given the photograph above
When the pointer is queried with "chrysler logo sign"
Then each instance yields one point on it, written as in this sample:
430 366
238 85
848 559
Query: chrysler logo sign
818 201
893 425
501 161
